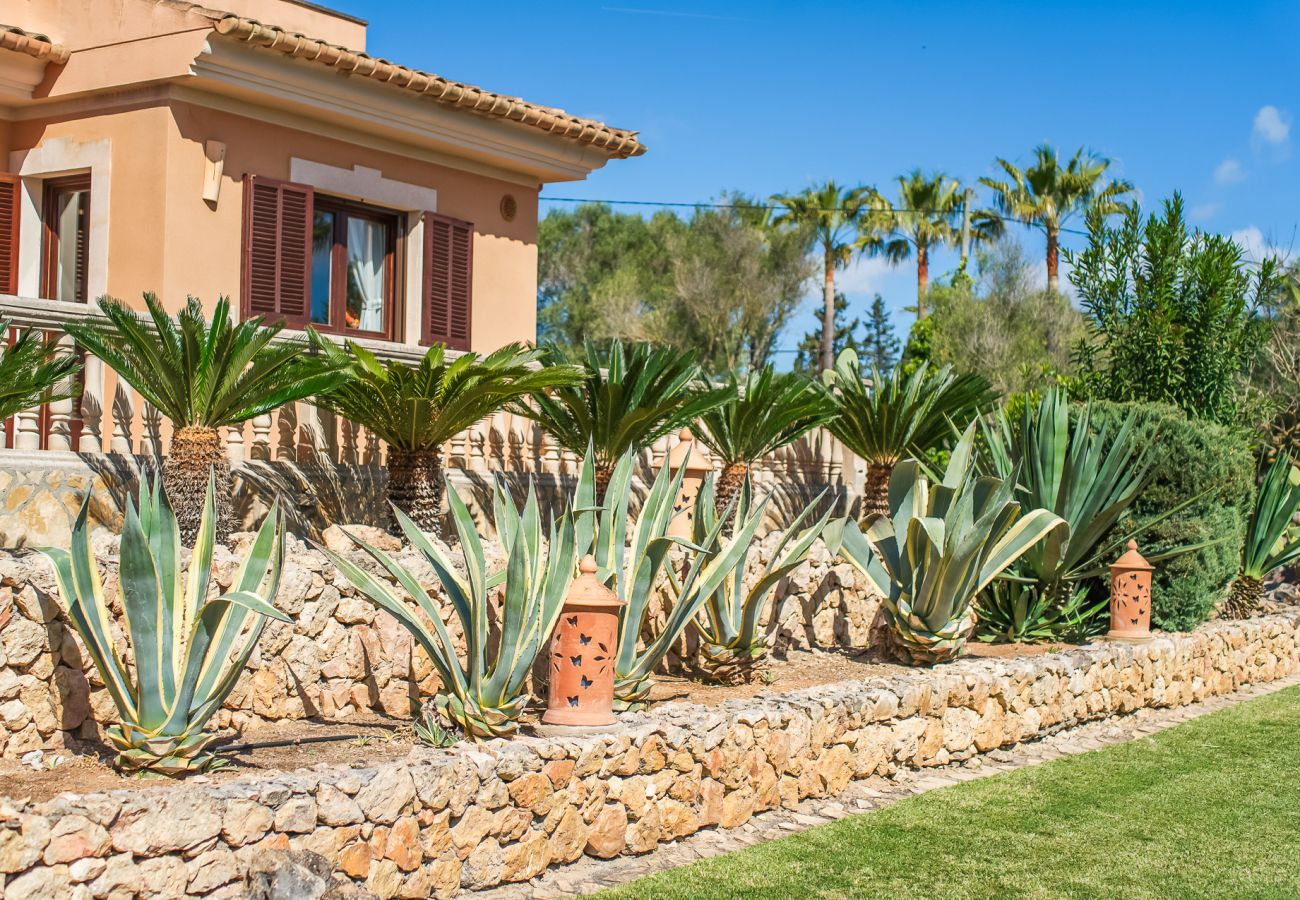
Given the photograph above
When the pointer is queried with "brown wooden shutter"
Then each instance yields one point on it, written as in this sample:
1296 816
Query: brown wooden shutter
10 203
448 274
276 277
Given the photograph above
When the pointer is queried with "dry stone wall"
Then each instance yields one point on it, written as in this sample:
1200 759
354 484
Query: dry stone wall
339 655
440 821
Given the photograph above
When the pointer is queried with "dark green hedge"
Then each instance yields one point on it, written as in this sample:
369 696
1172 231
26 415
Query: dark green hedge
1190 456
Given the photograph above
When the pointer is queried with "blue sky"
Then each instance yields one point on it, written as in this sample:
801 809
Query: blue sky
767 97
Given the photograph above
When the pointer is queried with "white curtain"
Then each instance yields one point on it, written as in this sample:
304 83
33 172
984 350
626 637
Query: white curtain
366 251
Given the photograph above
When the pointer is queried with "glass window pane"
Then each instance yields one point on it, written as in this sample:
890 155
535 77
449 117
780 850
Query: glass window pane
322 265
72 227
367 248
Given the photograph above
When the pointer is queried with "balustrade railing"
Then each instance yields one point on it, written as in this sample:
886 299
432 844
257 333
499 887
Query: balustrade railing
105 415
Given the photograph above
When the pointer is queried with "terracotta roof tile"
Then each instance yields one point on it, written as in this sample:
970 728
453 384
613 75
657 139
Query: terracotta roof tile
36 45
616 142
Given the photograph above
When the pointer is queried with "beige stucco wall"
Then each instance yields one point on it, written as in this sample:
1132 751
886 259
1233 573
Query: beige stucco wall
164 237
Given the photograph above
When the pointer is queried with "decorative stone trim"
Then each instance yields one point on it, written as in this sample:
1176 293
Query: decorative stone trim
476 816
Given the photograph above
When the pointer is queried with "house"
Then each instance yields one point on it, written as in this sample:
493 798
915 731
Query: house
259 152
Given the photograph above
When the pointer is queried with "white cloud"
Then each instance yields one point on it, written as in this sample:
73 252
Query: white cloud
1229 172
1271 133
1257 246
1202 212
867 274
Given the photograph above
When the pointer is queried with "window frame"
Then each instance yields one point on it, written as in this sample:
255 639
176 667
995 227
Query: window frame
51 240
343 209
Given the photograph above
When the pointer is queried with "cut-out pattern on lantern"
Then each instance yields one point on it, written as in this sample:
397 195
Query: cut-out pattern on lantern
582 654
1130 596
689 454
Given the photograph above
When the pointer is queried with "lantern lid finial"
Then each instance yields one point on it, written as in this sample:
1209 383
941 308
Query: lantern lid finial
1132 559
588 565
687 452
588 590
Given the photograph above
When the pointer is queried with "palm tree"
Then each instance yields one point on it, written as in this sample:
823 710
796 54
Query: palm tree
202 376
628 399
923 217
763 413
894 416
833 217
1048 196
32 371
414 410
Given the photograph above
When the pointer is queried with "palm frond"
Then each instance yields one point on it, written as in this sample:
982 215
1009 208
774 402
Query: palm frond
32 371
763 413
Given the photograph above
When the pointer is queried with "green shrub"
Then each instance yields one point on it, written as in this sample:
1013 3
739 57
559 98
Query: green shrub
1189 457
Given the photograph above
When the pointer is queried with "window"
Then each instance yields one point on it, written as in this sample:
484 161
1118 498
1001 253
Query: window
448 280
66 214
9 205
353 268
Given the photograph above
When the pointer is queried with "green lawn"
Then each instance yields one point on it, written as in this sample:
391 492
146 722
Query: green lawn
1208 809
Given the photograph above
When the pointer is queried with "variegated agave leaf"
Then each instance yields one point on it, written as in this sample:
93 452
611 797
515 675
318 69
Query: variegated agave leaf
479 696
188 650
944 543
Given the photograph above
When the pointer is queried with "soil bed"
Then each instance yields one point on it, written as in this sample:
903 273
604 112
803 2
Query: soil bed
364 740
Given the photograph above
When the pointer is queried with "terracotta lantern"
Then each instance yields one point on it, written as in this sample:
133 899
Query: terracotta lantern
693 457
582 654
1130 597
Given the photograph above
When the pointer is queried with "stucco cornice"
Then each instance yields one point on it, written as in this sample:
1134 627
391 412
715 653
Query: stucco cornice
616 143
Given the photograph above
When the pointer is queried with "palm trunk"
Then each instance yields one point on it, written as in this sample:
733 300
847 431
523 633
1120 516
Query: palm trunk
1053 260
922 279
1244 598
828 315
730 482
603 476
416 485
875 495
197 452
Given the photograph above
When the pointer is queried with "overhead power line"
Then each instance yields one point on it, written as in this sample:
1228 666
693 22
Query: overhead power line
777 206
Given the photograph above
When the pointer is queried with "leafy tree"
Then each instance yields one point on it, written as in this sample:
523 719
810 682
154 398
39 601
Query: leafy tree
415 410
1004 326
202 376
919 348
1047 195
1175 315
593 263
923 217
881 346
808 355
833 216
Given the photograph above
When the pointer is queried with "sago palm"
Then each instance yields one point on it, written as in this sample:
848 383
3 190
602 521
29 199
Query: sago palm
414 410
203 376
923 217
897 415
1047 195
833 216
627 399
763 413
32 371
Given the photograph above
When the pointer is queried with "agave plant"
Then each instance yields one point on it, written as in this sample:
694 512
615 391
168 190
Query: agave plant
202 376
629 398
760 415
188 650
1272 540
481 694
32 371
943 545
894 416
417 409
732 642
635 568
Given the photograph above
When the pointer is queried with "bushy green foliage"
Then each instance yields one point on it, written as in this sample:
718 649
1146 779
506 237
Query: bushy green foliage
1188 458
1003 325
1175 314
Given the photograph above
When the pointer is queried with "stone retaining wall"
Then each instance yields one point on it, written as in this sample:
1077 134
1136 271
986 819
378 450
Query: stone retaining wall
471 817
340 655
